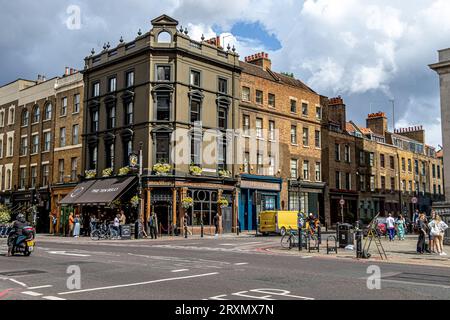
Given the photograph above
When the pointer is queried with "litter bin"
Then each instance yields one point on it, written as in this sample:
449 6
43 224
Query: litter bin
345 235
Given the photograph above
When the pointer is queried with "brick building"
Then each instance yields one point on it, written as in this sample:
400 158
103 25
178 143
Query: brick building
280 121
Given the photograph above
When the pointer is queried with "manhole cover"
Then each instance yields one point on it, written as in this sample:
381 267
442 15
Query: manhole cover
21 273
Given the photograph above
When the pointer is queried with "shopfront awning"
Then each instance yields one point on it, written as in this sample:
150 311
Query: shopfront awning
76 193
104 191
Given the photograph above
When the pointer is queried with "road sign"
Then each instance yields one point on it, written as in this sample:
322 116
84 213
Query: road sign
414 200
342 202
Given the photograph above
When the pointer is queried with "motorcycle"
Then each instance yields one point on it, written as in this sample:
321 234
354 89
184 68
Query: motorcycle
23 243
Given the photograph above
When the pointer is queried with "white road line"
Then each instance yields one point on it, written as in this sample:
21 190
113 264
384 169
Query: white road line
241 264
31 293
218 297
227 244
41 287
52 298
140 283
17 282
64 253
181 270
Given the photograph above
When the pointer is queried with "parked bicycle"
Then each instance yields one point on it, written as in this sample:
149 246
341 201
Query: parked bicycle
289 239
104 232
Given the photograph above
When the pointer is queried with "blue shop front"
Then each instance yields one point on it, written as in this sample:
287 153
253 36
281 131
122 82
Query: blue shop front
257 193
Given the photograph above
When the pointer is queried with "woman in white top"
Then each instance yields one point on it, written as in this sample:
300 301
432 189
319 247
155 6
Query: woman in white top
437 230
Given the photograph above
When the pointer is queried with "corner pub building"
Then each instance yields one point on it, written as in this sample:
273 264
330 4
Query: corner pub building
148 96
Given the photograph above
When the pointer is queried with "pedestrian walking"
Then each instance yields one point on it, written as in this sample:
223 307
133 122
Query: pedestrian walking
71 224
77 226
153 225
401 228
390 224
216 224
421 225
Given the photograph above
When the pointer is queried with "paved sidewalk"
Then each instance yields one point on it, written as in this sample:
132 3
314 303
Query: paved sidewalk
396 251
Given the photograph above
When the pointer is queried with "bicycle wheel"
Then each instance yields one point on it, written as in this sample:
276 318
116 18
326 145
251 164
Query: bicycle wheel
286 241
95 235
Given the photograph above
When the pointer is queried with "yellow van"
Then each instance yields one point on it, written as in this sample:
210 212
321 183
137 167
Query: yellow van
277 221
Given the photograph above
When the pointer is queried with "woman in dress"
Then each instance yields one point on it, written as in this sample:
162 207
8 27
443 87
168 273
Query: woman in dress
401 227
76 230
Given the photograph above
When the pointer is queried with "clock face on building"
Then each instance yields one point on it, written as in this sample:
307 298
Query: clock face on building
133 160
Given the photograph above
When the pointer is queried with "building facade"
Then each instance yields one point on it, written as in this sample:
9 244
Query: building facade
377 171
174 99
280 123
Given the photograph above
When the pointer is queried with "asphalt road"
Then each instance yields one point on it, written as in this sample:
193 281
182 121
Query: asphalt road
200 269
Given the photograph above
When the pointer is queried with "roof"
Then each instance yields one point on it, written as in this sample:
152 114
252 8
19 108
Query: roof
349 127
440 154
257 71
366 130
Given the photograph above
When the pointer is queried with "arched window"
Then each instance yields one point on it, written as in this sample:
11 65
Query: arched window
164 37
25 117
48 112
36 114
2 118
8 180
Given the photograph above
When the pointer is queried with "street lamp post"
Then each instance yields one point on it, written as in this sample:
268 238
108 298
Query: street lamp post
300 238
141 170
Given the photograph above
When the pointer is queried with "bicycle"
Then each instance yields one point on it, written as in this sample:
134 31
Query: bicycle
104 232
288 240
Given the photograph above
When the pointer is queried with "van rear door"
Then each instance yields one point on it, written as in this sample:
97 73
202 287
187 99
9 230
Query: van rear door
267 221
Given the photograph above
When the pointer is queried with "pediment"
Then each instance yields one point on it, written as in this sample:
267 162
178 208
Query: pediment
164 20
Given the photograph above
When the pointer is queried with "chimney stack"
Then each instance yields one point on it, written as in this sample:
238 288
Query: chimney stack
337 111
66 72
378 123
260 59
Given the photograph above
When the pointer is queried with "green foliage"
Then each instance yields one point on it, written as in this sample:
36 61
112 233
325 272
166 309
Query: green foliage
5 214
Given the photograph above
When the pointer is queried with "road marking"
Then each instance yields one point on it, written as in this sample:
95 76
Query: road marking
218 297
241 264
181 270
41 287
17 282
417 283
242 294
64 253
5 292
31 293
52 298
140 283
227 244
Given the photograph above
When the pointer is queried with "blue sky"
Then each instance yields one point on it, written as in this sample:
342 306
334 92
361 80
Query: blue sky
367 51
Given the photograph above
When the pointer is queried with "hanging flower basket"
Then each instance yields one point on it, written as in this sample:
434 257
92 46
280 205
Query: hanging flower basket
222 203
134 201
90 174
195 170
124 171
5 215
107 172
162 169
116 204
224 173
187 203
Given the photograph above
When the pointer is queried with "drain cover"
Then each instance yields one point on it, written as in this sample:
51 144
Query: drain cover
21 273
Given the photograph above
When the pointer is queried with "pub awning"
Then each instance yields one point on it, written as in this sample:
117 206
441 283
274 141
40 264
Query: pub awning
101 192
76 193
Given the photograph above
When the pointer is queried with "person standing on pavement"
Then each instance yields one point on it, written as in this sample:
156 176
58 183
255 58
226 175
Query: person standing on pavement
390 224
421 224
431 235
71 224
186 224
153 225
437 229
77 228
116 226
401 227
54 220
216 224
122 221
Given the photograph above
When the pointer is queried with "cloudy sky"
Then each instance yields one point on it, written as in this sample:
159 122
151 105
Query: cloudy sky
370 52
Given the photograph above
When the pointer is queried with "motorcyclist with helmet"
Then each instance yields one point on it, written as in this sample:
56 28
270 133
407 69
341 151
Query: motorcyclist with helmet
16 231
